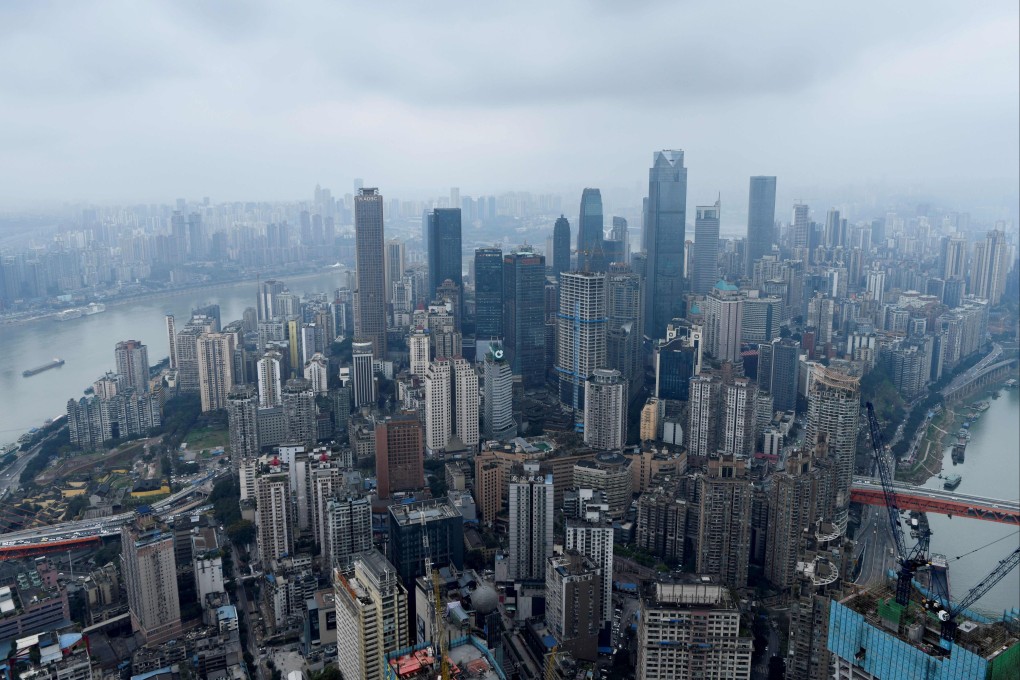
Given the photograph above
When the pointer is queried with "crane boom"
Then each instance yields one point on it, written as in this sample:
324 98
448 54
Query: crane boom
947 611
909 560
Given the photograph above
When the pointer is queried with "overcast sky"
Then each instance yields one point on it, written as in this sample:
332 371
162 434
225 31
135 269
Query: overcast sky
147 101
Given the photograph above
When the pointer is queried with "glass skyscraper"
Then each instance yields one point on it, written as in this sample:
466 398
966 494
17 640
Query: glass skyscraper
370 307
590 225
761 219
561 247
444 249
524 315
705 263
663 240
488 293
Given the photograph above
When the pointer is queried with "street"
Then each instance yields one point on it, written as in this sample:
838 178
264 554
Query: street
873 545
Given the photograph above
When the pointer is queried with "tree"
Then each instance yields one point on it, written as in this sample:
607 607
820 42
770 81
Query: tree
241 532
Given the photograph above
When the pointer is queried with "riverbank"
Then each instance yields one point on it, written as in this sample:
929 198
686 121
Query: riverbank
181 291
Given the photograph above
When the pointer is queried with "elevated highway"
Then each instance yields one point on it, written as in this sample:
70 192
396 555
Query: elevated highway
90 532
868 490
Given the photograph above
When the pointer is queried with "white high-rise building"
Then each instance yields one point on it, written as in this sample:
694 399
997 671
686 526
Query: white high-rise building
834 409
270 385
702 435
364 373
419 344
274 516
215 368
150 578
438 405
396 263
678 620
317 373
605 410
348 530
498 416
724 308
371 615
581 333
532 507
133 364
465 394
593 537
876 286
739 428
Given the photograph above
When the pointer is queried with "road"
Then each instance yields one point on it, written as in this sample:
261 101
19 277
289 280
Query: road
243 610
873 543
760 671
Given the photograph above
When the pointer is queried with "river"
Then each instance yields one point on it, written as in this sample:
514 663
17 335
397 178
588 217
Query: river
87 345
991 468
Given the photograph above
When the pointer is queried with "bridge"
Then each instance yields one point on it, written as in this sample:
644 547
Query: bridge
990 370
89 533
868 490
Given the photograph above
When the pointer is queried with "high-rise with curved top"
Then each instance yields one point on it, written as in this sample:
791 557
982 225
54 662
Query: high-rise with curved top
665 232
561 247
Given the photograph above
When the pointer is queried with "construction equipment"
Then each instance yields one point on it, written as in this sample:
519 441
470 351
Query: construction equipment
947 612
437 604
908 560
550 664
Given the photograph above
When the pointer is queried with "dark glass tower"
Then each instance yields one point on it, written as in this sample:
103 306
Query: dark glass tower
561 247
761 219
590 255
488 293
664 240
445 259
524 315
370 298
705 260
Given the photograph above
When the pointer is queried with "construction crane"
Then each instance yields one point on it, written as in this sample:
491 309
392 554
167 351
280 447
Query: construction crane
432 576
550 664
947 612
909 560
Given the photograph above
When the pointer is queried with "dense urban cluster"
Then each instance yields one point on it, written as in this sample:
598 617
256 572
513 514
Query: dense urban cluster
573 458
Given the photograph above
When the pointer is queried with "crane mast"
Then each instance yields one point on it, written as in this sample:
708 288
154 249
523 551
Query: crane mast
432 577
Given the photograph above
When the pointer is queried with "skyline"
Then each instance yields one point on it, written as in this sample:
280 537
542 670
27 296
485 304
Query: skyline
216 101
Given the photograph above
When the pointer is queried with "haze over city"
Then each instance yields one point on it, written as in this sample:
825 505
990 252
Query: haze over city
540 341
123 102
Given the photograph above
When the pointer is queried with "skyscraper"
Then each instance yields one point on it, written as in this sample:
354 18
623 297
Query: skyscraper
688 628
370 298
590 226
524 315
215 368
371 615
396 263
624 336
150 578
268 290
488 294
364 375
348 529
438 405
724 314
593 537
299 411
497 416
171 336
269 378
761 219
605 410
133 364
573 595
702 437
581 333
561 247
834 408
398 452
274 512
739 426
800 228
663 240
444 249
317 373
724 524
705 260
465 403
778 364
531 523
991 264
242 414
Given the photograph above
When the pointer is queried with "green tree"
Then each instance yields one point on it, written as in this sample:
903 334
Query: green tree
241 532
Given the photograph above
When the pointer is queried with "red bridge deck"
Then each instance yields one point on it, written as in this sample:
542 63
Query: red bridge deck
11 552
960 508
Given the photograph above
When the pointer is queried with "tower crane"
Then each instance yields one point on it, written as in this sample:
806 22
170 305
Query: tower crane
912 560
947 611
908 560
432 576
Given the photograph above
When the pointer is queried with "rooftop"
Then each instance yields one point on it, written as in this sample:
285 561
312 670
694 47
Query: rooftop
428 510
